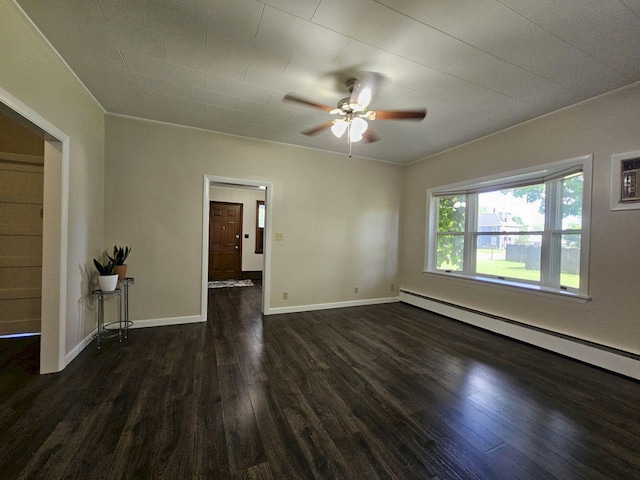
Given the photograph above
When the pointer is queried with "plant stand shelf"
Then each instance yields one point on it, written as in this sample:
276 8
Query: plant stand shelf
121 326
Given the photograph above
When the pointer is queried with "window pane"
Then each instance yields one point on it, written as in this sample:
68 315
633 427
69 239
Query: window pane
572 202
451 211
450 251
509 256
512 210
260 218
493 229
570 261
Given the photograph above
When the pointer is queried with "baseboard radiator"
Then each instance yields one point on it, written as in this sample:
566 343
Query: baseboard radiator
608 358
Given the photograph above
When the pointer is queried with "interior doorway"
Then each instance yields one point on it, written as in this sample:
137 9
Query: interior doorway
214 184
54 227
225 241
21 213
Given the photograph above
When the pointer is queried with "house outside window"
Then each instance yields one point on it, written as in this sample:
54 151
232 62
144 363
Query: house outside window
527 229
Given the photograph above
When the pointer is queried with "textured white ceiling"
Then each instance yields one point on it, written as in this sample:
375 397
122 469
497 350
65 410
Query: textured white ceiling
478 66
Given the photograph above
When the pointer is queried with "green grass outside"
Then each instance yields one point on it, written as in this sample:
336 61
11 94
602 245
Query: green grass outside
492 262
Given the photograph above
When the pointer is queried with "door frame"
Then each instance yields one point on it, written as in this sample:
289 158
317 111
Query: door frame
229 182
55 233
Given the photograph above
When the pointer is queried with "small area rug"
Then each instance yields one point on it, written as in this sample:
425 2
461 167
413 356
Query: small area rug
231 283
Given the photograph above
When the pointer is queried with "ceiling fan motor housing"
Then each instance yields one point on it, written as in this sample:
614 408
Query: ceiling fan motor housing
351 83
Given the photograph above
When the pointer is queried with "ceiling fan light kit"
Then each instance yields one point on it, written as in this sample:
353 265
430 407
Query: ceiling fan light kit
354 112
357 128
339 127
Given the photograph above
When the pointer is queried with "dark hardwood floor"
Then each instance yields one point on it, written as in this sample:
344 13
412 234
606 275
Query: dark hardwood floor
385 391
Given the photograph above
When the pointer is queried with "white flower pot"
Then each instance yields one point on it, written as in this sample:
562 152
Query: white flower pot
108 283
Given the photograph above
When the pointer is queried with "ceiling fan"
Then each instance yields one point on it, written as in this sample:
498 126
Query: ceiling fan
353 113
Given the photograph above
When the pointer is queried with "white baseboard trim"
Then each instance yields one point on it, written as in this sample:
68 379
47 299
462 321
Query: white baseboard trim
68 358
162 322
327 306
618 361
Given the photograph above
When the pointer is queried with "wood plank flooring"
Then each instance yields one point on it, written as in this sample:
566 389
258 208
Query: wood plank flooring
385 391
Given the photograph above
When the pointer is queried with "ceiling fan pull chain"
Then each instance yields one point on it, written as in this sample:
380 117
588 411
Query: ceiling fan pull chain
349 137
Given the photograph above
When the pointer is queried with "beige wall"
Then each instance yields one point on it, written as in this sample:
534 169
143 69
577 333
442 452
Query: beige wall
251 261
35 76
339 215
602 127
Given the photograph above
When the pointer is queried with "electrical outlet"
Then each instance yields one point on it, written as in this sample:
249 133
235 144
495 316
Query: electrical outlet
279 236
285 295
355 290
393 287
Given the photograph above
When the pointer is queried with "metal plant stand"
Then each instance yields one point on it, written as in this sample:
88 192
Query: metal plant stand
126 323
121 326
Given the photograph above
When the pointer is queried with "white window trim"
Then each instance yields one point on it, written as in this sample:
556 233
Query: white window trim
585 162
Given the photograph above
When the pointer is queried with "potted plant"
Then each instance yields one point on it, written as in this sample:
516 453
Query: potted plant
106 279
120 254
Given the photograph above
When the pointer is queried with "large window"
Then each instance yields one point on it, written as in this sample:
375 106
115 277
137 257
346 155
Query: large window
525 229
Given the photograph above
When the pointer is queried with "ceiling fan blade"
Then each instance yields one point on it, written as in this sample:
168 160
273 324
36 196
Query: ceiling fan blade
365 87
400 114
293 98
318 129
369 136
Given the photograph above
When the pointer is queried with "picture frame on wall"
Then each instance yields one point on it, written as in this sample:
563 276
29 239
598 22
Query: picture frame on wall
625 181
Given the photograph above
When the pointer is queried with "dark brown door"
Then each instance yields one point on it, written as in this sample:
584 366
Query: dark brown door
225 241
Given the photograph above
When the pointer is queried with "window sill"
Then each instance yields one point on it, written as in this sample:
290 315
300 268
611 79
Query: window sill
511 285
